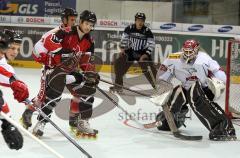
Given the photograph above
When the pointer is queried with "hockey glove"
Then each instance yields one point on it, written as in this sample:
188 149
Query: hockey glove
20 90
12 136
92 78
78 77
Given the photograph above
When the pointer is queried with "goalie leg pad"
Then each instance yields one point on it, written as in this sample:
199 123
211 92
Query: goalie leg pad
177 102
224 130
205 110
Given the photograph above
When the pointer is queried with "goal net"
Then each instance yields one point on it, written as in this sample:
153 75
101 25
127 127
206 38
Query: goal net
232 99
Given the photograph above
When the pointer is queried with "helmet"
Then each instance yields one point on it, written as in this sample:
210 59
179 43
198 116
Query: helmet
4 41
68 12
13 36
190 49
140 16
90 16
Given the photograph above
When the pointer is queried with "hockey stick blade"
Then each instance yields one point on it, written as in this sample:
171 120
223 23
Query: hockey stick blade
186 137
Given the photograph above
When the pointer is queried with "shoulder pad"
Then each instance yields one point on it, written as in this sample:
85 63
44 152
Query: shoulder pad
174 56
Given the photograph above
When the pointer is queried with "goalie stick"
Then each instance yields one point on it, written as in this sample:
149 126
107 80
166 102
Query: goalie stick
14 123
59 129
176 133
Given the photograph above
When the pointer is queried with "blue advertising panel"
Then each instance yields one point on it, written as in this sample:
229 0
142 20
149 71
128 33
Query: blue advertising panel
34 7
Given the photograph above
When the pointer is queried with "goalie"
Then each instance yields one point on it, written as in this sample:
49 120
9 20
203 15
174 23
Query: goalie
202 82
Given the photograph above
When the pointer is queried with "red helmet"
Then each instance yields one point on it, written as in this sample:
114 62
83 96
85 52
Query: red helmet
190 49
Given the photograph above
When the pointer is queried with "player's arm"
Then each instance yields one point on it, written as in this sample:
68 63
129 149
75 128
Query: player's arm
216 80
216 70
125 42
165 71
49 51
149 48
20 90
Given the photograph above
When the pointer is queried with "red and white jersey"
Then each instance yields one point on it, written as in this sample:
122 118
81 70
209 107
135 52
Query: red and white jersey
6 71
39 47
187 74
45 48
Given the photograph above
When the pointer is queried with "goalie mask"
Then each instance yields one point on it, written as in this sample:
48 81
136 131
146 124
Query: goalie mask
190 50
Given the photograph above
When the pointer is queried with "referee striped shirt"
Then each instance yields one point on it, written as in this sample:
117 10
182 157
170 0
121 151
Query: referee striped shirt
138 40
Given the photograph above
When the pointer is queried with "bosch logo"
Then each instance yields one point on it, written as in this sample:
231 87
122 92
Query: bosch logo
34 20
225 29
108 23
195 27
167 26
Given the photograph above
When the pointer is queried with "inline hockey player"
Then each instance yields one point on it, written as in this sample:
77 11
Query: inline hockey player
9 48
67 51
68 18
202 82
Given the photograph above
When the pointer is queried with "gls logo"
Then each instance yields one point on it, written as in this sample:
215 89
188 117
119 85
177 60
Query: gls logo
195 27
167 26
25 9
225 29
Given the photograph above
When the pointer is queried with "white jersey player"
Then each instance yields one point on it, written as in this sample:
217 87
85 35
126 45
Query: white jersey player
9 47
202 81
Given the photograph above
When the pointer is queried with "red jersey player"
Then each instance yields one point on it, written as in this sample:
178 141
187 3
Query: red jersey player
66 50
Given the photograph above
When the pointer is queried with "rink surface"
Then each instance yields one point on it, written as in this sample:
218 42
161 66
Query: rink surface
115 139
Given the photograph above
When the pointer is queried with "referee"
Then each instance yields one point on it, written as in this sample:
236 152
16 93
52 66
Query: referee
137 44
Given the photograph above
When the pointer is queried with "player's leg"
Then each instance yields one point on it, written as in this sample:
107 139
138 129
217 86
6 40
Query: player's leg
148 69
81 109
210 114
178 107
55 83
26 119
121 66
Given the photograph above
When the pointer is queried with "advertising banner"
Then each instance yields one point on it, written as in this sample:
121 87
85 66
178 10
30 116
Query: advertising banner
34 7
107 44
165 26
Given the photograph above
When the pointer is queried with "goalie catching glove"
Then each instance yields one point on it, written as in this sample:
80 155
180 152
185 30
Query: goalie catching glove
217 87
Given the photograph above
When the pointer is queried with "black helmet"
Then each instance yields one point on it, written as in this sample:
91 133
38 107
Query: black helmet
87 15
4 41
68 12
13 36
140 16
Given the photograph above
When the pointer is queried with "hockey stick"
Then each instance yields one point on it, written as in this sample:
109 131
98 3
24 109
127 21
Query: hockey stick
168 116
14 123
59 129
173 127
143 94
120 107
